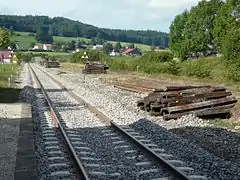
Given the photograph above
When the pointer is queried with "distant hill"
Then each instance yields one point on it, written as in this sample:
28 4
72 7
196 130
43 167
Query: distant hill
60 26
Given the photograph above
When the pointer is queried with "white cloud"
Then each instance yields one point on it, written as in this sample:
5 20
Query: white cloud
170 3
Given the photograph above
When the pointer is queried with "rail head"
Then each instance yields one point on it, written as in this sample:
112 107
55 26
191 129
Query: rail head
181 175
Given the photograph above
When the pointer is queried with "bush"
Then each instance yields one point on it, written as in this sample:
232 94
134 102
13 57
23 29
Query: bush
231 46
173 67
233 72
161 56
198 68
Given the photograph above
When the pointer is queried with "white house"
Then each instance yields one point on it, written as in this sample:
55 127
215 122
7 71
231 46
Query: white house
37 46
114 53
98 47
47 47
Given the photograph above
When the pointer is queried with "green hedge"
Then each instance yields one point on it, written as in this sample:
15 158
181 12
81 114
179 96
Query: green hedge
159 56
162 62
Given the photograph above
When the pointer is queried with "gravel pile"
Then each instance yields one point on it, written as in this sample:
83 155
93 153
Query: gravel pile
120 106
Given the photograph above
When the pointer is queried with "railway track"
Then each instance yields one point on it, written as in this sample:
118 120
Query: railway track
130 155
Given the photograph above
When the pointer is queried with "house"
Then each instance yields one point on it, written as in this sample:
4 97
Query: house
6 56
114 53
47 47
98 47
132 52
37 46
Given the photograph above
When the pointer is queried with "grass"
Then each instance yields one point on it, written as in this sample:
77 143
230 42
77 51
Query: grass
24 40
7 94
225 124
5 72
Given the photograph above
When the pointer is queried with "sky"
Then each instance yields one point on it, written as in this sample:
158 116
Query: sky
114 14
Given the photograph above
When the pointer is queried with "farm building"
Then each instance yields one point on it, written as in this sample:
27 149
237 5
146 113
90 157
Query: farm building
46 47
98 47
132 52
38 46
5 56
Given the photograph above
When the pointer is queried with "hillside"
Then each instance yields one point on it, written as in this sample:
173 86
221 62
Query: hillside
23 40
59 26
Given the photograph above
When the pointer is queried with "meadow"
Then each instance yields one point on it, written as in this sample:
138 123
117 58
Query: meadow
8 94
5 72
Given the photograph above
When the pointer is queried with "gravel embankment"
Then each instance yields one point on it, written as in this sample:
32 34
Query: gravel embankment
120 106
116 157
28 95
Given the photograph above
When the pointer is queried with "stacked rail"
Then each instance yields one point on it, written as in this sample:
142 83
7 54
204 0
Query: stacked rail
95 68
176 101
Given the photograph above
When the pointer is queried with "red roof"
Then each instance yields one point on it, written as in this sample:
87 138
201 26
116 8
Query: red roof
128 51
5 54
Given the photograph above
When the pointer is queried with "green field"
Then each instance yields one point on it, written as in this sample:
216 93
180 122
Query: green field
5 72
24 40
8 94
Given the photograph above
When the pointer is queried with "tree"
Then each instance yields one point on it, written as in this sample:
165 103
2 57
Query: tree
225 21
118 46
4 38
131 46
199 27
19 57
177 39
43 36
107 48
71 45
12 45
32 44
231 46
57 46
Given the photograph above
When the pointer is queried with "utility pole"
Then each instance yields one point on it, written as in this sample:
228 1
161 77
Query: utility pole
77 42
84 56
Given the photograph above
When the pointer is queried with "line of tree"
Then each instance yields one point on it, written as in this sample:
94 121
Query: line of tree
205 29
59 26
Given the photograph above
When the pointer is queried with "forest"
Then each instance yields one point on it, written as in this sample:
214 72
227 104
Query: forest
60 26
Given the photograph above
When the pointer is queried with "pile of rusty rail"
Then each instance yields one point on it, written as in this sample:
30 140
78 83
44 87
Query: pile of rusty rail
176 101
132 87
95 67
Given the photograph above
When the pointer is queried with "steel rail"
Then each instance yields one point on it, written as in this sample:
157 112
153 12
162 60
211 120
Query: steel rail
82 172
178 173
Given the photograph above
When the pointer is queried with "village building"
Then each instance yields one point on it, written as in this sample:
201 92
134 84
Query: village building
132 52
114 53
47 47
6 56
